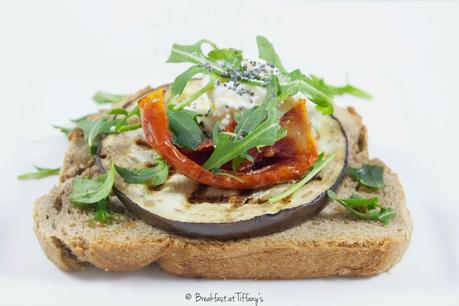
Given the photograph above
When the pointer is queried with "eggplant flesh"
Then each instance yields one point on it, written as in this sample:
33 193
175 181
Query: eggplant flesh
189 208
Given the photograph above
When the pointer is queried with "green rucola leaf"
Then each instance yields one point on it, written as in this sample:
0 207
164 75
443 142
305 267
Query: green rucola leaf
236 163
102 97
332 90
122 125
182 79
92 130
154 176
102 214
189 53
365 208
370 176
39 173
231 57
185 129
227 148
194 96
359 201
386 215
250 118
118 111
90 191
63 130
318 165
86 126
266 52
295 81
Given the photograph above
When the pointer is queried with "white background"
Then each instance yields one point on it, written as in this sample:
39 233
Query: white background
56 54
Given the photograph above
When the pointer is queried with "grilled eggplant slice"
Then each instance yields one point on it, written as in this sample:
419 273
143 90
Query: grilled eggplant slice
186 207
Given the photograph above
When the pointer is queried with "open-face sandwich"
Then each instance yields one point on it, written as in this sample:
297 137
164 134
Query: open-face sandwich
238 169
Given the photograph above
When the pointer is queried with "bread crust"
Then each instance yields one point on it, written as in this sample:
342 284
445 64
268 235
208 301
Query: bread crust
331 244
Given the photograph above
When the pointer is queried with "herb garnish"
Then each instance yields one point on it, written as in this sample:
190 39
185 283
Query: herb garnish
94 193
266 52
153 176
337 90
93 129
250 118
39 173
123 124
365 208
228 147
370 176
90 191
225 64
102 97
185 128
62 129
194 96
318 165
258 126
182 79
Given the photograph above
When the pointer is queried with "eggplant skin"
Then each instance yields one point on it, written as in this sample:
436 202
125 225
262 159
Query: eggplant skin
256 226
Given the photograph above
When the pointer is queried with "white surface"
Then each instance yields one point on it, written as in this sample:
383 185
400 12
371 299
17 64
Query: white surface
56 54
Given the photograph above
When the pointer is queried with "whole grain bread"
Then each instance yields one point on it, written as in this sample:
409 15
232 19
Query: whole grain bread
332 243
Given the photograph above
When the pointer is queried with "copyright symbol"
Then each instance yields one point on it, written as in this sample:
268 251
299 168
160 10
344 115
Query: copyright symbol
188 296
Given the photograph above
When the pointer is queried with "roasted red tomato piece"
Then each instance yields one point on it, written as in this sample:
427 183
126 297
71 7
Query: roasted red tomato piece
293 155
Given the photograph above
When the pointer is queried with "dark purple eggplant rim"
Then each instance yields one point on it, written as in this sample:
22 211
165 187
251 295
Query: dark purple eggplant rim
257 226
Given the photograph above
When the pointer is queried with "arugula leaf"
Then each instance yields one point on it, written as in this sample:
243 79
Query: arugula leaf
222 63
64 130
266 52
154 176
185 129
365 208
250 118
232 57
295 81
118 111
189 53
80 118
102 97
338 91
99 126
281 133
39 173
102 215
122 125
236 163
227 147
225 64
370 176
318 165
92 130
182 79
90 191
194 96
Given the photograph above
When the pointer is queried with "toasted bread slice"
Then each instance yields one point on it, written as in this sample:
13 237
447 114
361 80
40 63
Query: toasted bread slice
332 243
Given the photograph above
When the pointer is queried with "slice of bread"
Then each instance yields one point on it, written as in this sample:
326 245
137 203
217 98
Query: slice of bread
332 243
